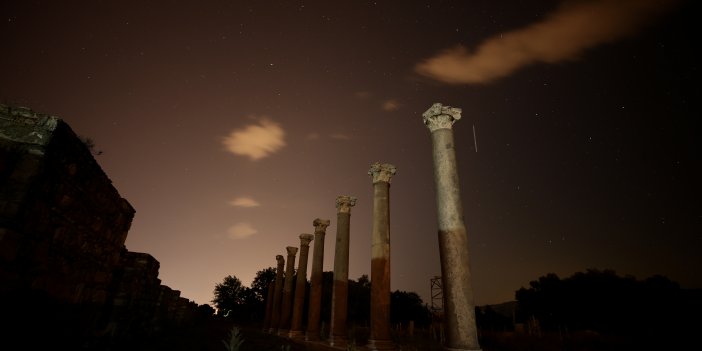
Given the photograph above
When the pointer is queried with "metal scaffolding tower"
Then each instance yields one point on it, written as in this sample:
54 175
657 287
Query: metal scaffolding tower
437 295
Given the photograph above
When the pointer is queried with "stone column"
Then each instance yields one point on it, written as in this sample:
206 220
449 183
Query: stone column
340 293
299 300
459 307
380 338
277 294
286 309
320 228
269 307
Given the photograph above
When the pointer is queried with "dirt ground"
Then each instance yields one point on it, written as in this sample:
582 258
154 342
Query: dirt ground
211 335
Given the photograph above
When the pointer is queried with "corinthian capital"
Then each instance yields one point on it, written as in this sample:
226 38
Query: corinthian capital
382 172
320 225
305 239
344 203
292 251
439 116
280 259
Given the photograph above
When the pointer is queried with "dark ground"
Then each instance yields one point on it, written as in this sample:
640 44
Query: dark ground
209 336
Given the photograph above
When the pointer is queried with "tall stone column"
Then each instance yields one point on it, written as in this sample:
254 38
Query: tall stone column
340 292
269 307
380 338
299 300
459 307
320 230
286 309
277 294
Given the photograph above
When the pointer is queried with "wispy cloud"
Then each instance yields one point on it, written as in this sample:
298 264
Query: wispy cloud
244 202
241 231
387 105
339 136
390 105
256 141
564 35
312 136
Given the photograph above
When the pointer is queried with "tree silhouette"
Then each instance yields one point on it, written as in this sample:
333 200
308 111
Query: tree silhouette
653 309
261 281
229 296
408 306
257 294
359 300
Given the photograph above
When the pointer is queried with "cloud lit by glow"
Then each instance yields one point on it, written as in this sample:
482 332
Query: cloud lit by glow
563 35
391 105
256 141
241 230
339 136
244 202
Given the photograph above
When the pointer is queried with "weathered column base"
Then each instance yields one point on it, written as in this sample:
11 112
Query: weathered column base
296 335
312 336
380 345
338 341
283 332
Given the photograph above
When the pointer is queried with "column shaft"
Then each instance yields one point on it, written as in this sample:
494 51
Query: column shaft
339 313
269 306
286 308
277 294
315 304
459 306
380 338
300 285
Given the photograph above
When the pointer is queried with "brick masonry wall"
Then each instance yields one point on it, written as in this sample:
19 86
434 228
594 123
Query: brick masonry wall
63 226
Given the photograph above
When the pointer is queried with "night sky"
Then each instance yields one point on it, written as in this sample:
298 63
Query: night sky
231 125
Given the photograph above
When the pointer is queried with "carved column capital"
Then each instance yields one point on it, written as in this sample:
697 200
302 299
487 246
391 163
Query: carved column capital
320 225
382 172
305 239
280 259
441 117
292 251
344 203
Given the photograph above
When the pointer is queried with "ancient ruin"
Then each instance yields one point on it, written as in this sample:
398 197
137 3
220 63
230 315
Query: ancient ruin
63 227
315 300
459 308
299 300
380 338
269 307
338 335
286 308
277 294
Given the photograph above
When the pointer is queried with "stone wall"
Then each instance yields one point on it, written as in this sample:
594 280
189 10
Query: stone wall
63 225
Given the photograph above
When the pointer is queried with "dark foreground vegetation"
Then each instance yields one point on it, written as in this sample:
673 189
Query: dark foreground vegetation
588 311
211 335
593 310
